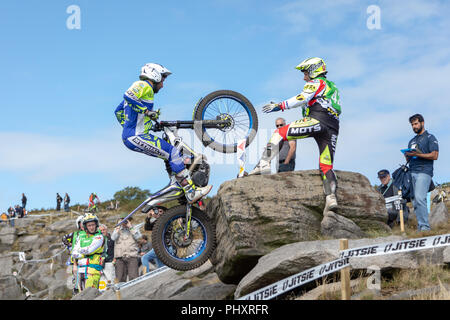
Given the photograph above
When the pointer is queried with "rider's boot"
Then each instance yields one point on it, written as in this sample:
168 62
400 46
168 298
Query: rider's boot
192 193
330 203
329 188
272 149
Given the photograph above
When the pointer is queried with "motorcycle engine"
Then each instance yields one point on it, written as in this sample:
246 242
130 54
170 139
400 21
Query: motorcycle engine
200 175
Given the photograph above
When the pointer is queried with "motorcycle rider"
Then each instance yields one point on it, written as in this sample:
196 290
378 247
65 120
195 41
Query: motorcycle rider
321 108
92 207
87 253
135 114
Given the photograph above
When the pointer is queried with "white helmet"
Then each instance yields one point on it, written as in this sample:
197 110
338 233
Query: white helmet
154 72
79 219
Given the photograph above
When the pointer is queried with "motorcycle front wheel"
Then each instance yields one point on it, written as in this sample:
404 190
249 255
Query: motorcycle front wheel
226 105
177 250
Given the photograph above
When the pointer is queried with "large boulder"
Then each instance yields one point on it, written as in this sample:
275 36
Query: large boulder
257 214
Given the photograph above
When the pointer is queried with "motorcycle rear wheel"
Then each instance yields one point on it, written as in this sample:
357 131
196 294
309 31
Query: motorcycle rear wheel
223 105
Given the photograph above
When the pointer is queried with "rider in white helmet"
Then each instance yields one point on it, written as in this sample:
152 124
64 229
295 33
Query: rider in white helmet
321 108
135 114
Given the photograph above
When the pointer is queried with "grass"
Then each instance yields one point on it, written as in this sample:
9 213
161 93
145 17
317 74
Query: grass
424 277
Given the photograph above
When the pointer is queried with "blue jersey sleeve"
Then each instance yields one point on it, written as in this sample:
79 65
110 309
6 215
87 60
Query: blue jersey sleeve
120 113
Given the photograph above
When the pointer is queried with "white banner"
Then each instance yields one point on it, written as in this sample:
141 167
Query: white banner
399 246
135 281
287 284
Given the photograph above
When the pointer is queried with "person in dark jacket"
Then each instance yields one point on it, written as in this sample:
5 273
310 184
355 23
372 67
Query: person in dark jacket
388 189
150 220
58 202
109 270
24 201
109 246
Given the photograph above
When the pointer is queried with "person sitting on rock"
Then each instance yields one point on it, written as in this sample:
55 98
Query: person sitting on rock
387 189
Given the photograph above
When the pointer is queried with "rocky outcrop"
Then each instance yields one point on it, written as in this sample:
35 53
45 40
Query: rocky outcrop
334 225
7 237
10 289
268 228
257 214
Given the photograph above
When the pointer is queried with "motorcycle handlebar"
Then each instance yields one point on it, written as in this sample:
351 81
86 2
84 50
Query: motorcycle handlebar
190 124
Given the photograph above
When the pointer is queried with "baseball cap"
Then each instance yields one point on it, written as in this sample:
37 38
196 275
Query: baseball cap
383 173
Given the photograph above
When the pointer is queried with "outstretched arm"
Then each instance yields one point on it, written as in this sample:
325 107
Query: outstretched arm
301 100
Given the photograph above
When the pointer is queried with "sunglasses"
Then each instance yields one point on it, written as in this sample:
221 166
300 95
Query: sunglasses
280 125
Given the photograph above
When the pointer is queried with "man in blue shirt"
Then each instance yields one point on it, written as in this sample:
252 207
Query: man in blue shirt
425 149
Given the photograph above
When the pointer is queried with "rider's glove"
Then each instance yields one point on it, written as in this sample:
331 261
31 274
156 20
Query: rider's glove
76 254
154 115
272 107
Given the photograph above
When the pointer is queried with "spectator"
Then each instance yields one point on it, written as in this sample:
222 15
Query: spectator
126 251
144 247
12 216
66 202
4 217
24 201
150 220
387 189
425 150
19 211
108 271
69 240
286 156
58 202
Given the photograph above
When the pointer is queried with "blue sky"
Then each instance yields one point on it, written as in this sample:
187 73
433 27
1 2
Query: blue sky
60 86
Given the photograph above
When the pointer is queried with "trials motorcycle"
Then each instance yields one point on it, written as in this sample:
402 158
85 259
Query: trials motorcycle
184 237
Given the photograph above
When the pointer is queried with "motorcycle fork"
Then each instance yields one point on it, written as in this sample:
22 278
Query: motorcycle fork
188 220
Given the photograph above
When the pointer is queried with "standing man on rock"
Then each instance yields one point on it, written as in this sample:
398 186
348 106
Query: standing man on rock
24 200
58 202
66 202
321 108
424 151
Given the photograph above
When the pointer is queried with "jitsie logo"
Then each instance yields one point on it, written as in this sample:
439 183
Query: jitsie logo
303 130
150 149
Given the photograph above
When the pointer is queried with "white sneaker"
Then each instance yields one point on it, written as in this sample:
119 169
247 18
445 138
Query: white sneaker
330 203
263 167
193 195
